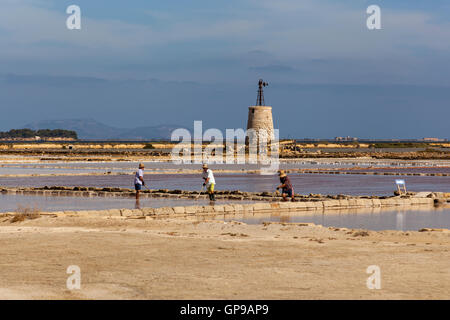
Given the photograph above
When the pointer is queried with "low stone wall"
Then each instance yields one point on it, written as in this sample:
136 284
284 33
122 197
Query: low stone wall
263 202
186 194
263 207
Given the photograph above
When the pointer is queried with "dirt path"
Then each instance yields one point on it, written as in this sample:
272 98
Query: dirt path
188 259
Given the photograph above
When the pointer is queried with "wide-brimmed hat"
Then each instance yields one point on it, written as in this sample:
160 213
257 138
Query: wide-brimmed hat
141 166
205 166
282 174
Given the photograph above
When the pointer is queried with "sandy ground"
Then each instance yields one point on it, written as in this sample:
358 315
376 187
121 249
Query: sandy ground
193 259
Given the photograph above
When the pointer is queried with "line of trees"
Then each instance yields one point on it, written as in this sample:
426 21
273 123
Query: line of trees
44 133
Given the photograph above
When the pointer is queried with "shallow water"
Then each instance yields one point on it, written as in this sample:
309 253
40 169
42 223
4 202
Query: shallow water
44 170
303 183
402 220
9 203
404 170
437 166
371 219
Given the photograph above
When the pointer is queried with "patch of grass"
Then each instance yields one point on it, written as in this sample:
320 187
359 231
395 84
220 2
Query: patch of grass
25 213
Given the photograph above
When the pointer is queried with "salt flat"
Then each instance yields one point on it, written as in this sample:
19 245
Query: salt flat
184 259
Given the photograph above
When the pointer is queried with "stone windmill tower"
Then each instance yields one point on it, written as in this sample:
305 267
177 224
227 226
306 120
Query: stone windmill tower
260 115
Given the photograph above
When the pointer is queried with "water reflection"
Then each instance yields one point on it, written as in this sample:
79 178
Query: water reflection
137 204
10 202
400 220
371 219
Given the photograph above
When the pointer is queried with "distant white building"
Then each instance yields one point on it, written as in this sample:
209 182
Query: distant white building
348 138
434 140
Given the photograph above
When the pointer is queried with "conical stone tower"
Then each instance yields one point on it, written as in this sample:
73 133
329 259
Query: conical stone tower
260 116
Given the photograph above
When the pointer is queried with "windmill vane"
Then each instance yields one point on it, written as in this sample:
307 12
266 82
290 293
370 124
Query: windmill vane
260 98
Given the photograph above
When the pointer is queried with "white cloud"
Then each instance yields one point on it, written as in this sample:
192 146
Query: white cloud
292 31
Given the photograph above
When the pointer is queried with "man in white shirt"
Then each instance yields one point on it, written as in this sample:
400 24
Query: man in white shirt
139 180
210 182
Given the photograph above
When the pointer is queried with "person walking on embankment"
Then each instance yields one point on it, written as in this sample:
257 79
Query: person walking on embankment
139 180
285 186
209 181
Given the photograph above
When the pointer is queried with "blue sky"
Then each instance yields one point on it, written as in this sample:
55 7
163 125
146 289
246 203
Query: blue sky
137 63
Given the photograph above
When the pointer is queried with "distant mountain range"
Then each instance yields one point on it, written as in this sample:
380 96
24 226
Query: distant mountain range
90 129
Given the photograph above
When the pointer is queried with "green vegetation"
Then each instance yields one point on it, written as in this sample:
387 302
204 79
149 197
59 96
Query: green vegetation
45 133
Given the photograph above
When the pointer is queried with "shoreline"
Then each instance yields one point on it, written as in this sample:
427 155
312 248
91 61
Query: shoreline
261 201
193 172
165 155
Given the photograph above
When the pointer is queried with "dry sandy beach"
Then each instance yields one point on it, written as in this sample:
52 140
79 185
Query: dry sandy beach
202 259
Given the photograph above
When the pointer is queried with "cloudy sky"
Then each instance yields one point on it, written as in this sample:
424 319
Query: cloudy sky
141 62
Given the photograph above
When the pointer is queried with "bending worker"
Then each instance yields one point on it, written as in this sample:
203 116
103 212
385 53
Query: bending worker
139 180
208 176
286 186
